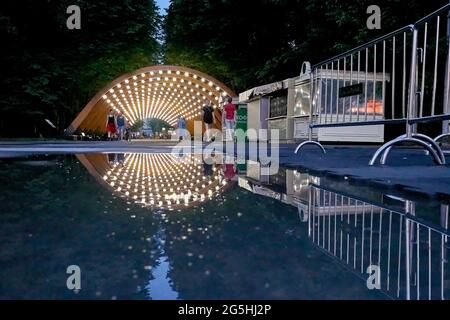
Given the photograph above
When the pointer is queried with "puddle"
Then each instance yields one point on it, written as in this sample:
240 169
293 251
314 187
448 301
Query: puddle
154 226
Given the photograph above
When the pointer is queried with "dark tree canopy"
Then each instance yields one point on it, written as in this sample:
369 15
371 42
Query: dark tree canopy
246 43
50 72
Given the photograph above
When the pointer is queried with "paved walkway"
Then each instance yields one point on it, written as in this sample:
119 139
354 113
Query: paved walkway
407 169
16 148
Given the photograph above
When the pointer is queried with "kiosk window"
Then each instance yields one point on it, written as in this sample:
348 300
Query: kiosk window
302 100
278 106
332 103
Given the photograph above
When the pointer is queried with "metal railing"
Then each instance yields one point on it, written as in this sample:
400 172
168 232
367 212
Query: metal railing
402 77
363 72
410 254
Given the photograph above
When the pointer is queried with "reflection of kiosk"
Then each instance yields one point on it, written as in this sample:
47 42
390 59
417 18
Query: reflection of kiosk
289 186
255 172
297 191
350 97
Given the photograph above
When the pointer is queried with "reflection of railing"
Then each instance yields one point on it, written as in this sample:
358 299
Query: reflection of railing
402 77
411 254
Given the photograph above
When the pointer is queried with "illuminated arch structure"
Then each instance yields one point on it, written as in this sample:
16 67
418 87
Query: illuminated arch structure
162 92
156 180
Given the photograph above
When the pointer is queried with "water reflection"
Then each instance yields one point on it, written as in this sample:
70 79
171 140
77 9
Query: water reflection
162 181
285 236
367 227
357 226
161 287
159 180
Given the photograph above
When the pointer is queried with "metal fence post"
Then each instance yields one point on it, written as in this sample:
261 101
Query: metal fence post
445 123
410 208
444 250
311 107
310 210
408 258
412 100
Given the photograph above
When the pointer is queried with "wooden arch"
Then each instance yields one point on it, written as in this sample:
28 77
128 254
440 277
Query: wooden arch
161 91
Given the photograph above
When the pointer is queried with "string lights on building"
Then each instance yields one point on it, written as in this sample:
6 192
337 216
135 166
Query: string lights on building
164 94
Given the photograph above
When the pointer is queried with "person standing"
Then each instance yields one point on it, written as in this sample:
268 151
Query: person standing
208 118
230 118
128 134
121 123
111 124
181 124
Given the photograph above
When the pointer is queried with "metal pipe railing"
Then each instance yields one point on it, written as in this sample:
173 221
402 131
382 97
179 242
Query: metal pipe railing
445 123
365 80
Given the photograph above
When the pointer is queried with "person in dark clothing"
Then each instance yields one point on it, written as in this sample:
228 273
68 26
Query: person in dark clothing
128 133
112 159
208 119
121 159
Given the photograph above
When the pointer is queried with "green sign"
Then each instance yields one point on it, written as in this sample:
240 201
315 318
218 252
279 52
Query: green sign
241 123
241 167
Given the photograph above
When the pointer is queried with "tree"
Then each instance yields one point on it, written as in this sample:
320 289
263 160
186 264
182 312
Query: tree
157 125
248 43
137 125
49 71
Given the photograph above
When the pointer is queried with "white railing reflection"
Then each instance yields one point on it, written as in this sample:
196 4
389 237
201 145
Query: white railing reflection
411 253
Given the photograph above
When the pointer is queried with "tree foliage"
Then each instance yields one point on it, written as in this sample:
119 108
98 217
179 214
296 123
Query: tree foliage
157 125
137 126
246 43
49 71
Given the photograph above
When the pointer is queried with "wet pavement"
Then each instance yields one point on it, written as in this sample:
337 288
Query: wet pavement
408 169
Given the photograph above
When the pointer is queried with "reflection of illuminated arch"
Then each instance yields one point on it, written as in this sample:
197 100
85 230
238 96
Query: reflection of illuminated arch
162 92
156 180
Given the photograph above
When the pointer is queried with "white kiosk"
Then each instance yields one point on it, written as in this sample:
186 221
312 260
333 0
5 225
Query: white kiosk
271 107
